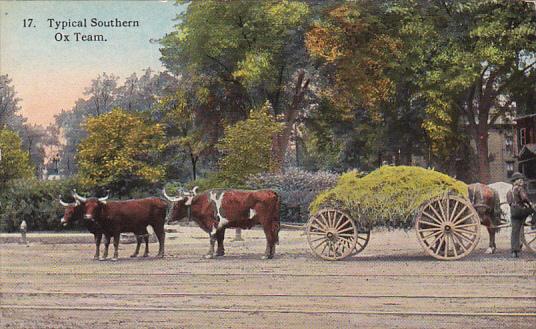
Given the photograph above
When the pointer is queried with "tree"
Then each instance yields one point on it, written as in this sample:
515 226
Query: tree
101 93
182 131
246 146
9 102
369 88
479 55
252 52
14 161
121 151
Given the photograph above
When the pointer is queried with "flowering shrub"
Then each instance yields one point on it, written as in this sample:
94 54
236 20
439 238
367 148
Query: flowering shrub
296 189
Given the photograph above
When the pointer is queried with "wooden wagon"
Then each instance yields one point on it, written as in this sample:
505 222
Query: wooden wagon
447 228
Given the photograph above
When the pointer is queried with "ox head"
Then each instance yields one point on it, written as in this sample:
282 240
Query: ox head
72 211
93 206
180 203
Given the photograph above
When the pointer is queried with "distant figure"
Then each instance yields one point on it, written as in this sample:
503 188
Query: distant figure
23 229
238 235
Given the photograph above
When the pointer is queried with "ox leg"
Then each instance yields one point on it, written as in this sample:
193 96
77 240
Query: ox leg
161 235
116 246
139 239
492 247
146 239
98 238
107 238
220 236
212 238
271 239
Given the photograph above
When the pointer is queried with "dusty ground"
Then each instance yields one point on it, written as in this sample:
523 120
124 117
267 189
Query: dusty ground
392 284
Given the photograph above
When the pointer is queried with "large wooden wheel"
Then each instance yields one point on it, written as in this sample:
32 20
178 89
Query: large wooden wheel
528 238
332 234
448 227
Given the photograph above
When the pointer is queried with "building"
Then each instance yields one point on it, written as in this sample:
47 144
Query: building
502 158
525 150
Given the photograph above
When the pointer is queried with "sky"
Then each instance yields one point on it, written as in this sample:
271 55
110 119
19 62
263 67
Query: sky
51 75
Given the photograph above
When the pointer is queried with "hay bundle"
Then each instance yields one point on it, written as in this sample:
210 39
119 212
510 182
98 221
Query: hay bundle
389 196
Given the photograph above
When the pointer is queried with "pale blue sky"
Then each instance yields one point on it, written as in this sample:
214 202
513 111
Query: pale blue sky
50 75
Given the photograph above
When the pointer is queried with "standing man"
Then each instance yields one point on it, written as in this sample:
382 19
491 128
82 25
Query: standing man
23 229
520 209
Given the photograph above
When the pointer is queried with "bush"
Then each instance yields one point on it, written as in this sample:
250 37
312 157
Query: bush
34 201
388 196
14 161
296 188
247 146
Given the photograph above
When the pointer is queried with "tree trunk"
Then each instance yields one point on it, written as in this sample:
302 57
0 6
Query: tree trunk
194 166
483 156
280 142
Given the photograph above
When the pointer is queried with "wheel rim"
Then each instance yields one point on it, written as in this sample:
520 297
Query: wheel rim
363 237
331 234
448 227
528 238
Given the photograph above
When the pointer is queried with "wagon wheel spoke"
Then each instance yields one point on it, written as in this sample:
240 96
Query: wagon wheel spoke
431 224
438 221
461 212
454 210
463 219
438 216
467 225
443 216
459 242
463 237
454 245
433 234
322 224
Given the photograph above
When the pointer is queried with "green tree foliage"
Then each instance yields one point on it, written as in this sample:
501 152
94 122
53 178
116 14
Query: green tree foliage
14 162
478 54
246 146
121 151
388 196
182 131
250 53
370 85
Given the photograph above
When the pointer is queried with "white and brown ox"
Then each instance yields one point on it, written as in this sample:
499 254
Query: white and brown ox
218 209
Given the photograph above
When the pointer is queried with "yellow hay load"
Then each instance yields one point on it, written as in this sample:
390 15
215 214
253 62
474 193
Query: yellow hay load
388 196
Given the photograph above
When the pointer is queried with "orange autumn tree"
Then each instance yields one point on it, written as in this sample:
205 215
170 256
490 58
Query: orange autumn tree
358 51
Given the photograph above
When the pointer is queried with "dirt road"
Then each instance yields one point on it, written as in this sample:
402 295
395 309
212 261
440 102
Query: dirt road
392 284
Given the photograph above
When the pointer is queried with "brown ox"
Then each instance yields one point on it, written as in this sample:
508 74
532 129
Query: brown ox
487 204
218 209
75 211
116 217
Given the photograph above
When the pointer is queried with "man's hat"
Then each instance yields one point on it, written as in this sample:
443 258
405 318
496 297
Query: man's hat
517 176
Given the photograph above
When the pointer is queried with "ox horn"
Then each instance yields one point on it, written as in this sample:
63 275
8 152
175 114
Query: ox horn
194 190
72 204
103 199
172 199
65 204
78 197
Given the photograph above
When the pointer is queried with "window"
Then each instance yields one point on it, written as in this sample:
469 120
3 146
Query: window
509 169
509 144
522 136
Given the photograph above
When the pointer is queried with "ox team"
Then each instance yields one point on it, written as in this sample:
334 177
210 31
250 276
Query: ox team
213 210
